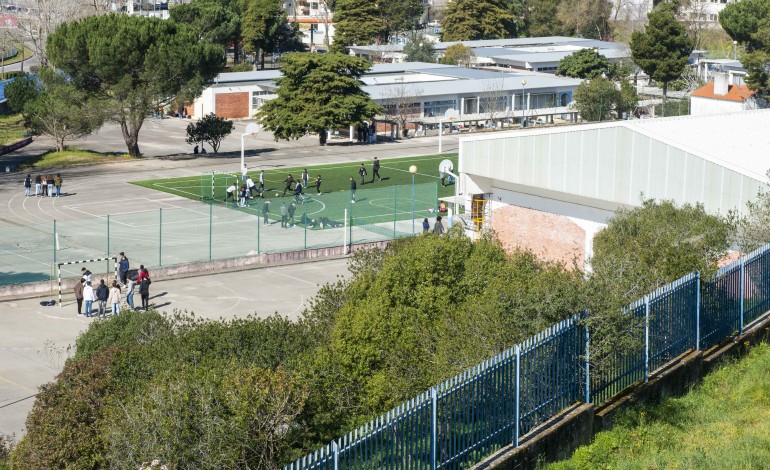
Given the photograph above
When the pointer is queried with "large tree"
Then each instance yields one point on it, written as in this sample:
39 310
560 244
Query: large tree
133 64
210 19
419 49
399 15
318 92
356 22
266 29
211 129
663 48
586 18
585 63
470 20
59 110
748 22
596 98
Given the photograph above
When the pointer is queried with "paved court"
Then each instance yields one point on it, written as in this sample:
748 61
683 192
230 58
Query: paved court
35 341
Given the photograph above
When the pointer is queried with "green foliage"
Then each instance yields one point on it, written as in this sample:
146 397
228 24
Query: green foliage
663 49
133 64
6 447
754 226
60 110
471 20
210 20
749 24
211 129
21 91
628 99
242 67
458 54
356 22
724 423
266 29
586 18
317 92
584 63
595 99
399 15
418 49
543 19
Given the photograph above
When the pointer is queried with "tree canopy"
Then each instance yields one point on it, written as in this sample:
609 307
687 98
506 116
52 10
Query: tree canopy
470 20
419 49
356 22
210 19
595 99
458 54
211 129
663 49
316 93
266 29
748 22
584 63
133 64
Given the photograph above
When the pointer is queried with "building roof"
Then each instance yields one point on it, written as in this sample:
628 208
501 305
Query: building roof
511 43
737 93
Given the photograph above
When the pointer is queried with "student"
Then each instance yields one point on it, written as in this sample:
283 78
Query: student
289 181
203 150
49 180
244 173
244 195
231 192
144 291
143 274
318 184
195 150
376 170
352 190
265 212
102 295
27 185
79 294
114 299
87 276
438 227
261 183
130 294
284 215
38 185
362 173
304 177
57 181
298 193
292 209
425 225
88 297
123 269
252 187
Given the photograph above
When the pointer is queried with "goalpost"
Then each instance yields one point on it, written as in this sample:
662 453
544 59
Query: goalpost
220 180
68 263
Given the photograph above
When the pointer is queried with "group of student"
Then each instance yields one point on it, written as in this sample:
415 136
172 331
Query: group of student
112 295
248 187
45 185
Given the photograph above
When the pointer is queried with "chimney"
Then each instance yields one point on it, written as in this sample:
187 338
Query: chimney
720 84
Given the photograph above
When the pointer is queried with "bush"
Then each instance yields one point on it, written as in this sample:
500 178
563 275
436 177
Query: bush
242 67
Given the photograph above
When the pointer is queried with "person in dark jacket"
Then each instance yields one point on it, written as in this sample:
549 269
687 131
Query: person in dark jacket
425 225
376 170
362 174
79 294
289 181
144 291
102 294
123 269
27 184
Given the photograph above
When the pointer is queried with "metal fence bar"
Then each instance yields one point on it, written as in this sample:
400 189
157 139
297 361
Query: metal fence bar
646 338
697 310
517 399
742 290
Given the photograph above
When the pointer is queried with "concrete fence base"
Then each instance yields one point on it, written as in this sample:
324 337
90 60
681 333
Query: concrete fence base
204 268
557 438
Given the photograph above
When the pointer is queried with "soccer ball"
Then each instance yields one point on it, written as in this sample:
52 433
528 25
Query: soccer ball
353 201
277 194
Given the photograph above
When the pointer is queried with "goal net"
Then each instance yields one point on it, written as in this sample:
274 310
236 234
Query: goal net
214 185
100 268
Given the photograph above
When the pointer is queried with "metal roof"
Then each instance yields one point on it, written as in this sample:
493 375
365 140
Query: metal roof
512 42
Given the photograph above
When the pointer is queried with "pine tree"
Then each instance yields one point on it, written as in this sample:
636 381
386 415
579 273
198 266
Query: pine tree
470 20
356 22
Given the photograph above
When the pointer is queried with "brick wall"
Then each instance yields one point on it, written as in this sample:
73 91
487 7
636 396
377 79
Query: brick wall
232 105
550 236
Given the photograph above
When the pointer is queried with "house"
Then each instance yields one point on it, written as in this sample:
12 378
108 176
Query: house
720 97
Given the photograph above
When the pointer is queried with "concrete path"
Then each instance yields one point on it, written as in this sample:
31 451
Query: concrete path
35 341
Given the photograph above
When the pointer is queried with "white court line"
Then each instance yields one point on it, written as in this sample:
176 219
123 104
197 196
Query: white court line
70 206
25 257
292 277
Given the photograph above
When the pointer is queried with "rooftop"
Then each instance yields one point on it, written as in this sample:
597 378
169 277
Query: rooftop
737 93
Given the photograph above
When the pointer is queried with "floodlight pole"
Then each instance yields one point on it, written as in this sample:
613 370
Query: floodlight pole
440 131
251 129
413 170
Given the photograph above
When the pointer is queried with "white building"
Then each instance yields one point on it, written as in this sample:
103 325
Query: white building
482 97
719 97
552 189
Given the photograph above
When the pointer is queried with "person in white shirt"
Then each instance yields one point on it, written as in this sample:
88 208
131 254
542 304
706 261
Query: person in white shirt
87 275
250 184
244 173
261 188
231 192
114 299
88 297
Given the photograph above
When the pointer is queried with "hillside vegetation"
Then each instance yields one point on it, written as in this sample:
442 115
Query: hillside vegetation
723 424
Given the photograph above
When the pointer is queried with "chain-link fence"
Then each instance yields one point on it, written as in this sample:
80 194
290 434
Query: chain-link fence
204 232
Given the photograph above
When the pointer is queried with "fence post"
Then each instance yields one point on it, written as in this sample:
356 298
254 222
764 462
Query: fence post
211 226
697 310
588 364
160 237
517 398
304 209
336 450
740 327
395 211
433 427
258 224
646 338
108 242
54 242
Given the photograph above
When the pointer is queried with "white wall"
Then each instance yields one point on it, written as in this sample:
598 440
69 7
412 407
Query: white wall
700 106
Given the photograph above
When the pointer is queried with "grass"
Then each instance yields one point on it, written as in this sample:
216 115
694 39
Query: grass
28 53
71 157
724 424
11 129
381 201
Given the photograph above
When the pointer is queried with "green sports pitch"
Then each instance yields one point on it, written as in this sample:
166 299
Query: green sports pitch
387 200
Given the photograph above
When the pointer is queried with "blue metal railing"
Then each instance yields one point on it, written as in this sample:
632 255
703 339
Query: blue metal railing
466 418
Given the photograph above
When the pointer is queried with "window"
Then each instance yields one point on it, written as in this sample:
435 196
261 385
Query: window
470 105
258 98
537 101
493 104
438 108
547 69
